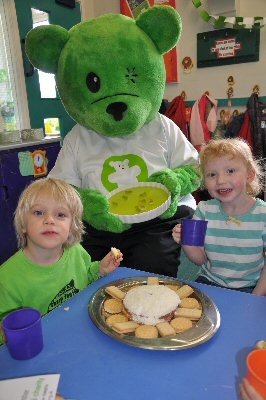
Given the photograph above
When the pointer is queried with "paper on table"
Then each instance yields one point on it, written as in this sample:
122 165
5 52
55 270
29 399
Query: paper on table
39 387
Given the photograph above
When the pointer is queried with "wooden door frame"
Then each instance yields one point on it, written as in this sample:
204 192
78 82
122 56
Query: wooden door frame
18 69
16 54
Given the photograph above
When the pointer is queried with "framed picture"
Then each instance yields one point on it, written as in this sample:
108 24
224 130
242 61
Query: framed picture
227 46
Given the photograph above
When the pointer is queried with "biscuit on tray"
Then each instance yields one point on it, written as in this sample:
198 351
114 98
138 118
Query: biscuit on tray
146 332
181 324
115 292
189 302
113 306
172 287
152 280
192 313
112 319
125 327
165 329
184 291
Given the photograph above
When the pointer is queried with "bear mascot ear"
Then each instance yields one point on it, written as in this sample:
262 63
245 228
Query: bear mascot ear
44 45
161 19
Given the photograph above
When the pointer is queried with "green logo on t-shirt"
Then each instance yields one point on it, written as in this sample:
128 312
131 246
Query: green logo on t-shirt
125 170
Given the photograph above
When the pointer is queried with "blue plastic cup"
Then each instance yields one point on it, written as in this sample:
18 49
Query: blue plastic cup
193 232
23 332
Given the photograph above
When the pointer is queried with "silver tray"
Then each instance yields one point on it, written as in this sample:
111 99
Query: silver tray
202 330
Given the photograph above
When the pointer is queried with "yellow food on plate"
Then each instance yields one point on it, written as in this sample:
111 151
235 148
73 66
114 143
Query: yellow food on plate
137 200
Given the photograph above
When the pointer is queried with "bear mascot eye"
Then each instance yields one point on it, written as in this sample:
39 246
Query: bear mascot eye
93 82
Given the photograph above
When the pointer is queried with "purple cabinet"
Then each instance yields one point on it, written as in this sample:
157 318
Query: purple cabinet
20 165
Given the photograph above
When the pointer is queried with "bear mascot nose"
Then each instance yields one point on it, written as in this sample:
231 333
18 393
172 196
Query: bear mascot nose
116 110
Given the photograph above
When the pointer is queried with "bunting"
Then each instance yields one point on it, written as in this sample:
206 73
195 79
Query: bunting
220 22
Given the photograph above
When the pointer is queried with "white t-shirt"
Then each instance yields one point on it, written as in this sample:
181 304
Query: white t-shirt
89 160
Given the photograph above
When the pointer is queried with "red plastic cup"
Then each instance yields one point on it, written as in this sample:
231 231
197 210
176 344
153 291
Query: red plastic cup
23 332
193 232
256 370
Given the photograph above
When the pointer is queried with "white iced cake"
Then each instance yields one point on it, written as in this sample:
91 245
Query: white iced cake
151 304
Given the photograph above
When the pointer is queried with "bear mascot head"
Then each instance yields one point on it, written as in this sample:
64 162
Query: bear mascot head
110 76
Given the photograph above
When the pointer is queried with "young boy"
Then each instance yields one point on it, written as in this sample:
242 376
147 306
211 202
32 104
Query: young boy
51 265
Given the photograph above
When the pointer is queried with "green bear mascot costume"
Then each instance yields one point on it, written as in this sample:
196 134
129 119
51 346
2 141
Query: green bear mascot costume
110 76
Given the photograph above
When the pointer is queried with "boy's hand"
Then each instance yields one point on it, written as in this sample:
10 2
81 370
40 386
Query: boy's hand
176 233
110 262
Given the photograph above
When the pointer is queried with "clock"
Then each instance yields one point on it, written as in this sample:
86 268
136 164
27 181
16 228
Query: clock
39 162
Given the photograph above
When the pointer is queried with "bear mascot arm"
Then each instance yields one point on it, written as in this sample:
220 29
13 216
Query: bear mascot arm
110 76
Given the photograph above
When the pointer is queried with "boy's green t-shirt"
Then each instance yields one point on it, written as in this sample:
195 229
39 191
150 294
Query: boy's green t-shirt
25 284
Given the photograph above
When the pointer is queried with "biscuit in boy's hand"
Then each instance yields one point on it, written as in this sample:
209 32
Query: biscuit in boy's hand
116 252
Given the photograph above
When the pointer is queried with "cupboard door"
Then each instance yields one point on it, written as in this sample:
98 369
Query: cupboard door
7 234
19 167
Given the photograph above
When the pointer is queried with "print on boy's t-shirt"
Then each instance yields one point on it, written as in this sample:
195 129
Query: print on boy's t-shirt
65 294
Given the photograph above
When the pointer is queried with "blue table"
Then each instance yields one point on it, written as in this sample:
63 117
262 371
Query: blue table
95 366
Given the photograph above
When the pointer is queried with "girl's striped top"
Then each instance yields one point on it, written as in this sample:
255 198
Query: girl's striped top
235 245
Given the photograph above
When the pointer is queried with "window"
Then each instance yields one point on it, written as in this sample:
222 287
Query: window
13 99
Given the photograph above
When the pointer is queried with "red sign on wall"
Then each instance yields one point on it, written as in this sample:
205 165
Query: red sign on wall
132 8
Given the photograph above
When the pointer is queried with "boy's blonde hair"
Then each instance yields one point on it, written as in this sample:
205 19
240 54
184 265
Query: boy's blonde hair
236 148
59 191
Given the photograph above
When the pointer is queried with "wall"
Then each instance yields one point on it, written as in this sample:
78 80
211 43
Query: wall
212 79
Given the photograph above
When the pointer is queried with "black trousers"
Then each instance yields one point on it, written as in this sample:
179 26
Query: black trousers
146 246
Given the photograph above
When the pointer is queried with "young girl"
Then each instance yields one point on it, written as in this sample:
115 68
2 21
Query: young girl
51 265
234 252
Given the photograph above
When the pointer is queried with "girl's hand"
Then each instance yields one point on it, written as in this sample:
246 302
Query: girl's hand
247 392
176 233
110 262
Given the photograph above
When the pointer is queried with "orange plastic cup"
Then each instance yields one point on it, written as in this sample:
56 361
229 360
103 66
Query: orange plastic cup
256 370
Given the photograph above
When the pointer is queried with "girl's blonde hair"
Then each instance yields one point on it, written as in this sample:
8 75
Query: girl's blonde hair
236 148
58 190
